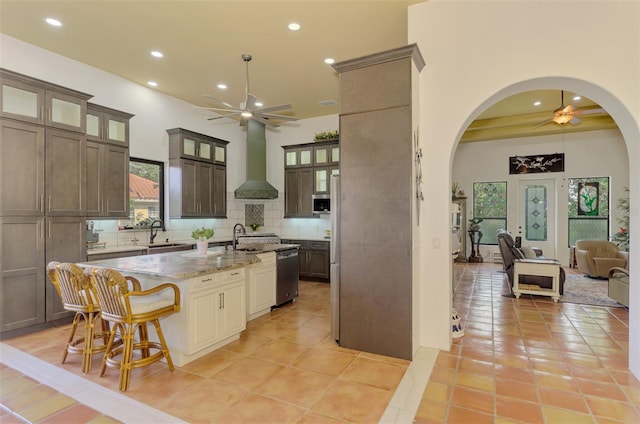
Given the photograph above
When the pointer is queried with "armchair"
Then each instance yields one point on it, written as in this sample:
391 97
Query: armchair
596 257
509 255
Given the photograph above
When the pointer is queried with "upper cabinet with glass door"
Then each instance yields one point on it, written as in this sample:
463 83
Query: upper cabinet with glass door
191 145
31 100
108 125
326 153
195 146
298 156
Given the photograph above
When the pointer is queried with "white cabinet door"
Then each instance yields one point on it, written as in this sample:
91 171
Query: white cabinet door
262 288
204 308
232 318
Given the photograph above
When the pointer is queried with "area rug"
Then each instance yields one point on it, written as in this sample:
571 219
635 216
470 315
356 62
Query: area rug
587 291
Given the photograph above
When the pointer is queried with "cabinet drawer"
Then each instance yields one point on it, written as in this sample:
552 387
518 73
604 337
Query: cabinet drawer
217 279
231 275
320 245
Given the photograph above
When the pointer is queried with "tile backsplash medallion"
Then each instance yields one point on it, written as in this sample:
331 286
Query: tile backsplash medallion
270 212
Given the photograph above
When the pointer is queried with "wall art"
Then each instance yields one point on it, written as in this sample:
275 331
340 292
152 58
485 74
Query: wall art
588 195
536 164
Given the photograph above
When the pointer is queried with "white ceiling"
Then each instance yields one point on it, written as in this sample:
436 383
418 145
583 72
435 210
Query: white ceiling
203 41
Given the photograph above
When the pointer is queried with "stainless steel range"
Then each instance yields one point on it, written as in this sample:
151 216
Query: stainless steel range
287 265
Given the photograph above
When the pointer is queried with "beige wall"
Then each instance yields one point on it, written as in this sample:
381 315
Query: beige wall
478 52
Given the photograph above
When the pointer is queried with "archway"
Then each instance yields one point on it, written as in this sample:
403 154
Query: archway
630 134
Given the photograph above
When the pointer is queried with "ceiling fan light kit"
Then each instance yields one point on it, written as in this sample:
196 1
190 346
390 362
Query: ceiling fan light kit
249 107
568 114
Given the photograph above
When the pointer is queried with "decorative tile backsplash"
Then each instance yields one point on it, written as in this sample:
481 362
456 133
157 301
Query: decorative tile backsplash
254 214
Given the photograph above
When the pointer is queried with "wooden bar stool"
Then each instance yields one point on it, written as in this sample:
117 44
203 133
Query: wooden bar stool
74 291
129 309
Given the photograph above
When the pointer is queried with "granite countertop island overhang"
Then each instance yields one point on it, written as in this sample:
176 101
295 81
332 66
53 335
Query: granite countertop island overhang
187 264
178 266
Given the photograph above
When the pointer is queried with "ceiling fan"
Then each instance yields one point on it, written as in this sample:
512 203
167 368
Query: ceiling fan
248 108
568 114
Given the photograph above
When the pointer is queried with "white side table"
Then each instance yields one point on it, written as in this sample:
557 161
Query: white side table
537 267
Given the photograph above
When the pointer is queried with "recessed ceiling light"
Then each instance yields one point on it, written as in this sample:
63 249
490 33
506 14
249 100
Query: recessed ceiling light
537 103
576 98
152 83
222 86
259 104
329 60
328 102
294 26
157 54
53 22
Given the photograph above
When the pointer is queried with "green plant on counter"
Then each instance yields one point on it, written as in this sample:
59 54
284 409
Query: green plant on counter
254 227
202 234
327 135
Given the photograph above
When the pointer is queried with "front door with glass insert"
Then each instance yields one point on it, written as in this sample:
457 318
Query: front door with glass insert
537 215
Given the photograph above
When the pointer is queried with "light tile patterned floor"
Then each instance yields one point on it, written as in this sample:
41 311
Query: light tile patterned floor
284 368
526 360
530 360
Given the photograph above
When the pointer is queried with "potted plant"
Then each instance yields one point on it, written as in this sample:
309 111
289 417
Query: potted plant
202 236
327 135
254 227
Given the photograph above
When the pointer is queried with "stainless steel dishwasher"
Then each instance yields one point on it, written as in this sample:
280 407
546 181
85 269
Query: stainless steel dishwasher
288 271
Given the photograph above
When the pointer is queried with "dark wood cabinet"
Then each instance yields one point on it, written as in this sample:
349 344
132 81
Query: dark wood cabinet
22 272
298 190
219 191
64 173
197 175
107 181
108 125
107 171
307 171
43 165
313 258
21 169
31 100
65 241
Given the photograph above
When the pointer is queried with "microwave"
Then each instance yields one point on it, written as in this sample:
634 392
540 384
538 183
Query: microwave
321 203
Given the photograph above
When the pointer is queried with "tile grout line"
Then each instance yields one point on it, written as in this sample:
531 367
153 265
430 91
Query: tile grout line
103 400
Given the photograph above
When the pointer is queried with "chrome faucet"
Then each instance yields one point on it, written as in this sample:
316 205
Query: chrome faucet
154 229
235 233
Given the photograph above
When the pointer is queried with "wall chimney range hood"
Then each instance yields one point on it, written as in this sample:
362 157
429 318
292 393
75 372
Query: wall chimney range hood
256 185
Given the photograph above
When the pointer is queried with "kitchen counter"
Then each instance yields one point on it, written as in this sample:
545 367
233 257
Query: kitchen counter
179 265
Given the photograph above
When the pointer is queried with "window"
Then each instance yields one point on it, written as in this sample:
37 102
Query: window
588 209
490 205
146 191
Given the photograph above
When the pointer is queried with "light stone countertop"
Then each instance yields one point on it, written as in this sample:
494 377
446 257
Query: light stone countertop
179 265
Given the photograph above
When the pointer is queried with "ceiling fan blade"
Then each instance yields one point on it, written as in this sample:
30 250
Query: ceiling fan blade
223 116
265 121
281 117
251 102
590 111
272 108
218 100
234 110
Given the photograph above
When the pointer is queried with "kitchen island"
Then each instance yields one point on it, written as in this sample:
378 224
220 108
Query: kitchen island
214 296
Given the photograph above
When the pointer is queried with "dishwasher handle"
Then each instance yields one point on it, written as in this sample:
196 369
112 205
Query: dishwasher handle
285 255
